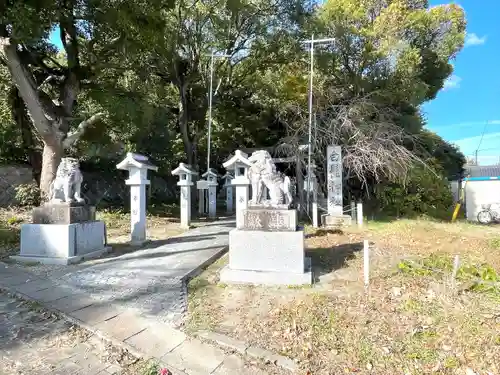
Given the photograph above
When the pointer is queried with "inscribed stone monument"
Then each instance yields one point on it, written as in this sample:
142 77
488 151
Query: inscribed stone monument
335 217
267 246
64 229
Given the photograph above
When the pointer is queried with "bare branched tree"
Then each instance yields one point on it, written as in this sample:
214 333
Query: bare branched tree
374 146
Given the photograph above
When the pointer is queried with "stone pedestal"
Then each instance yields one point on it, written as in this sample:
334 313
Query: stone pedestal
62 243
336 221
267 248
270 220
63 213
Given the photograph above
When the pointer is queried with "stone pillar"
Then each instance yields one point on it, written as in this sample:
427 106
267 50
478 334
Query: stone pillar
334 178
137 166
211 178
200 185
229 192
240 164
137 212
185 182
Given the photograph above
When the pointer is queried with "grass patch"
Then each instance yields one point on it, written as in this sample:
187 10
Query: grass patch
408 324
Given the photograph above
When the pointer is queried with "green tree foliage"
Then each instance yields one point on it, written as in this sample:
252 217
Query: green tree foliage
144 68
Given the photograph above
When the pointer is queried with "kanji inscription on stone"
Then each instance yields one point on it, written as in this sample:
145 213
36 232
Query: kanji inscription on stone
334 180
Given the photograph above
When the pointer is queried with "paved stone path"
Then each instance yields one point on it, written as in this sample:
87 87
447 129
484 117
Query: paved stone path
133 299
36 342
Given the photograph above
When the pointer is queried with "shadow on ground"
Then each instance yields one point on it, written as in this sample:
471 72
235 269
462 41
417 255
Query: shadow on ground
328 260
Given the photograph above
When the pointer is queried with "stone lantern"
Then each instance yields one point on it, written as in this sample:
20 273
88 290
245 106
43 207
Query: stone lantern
185 174
137 165
239 164
211 185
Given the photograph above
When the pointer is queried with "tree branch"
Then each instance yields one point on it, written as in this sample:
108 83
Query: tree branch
74 136
24 81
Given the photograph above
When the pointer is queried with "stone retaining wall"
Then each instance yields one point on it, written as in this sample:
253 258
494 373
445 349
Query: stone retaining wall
10 177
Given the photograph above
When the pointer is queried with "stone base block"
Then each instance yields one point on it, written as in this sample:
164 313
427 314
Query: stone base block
60 261
62 243
263 219
266 251
336 221
63 213
232 276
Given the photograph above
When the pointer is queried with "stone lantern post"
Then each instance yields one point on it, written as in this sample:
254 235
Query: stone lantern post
137 165
239 164
185 174
211 184
228 177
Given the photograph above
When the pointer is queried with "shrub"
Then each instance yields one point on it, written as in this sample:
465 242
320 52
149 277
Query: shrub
426 192
28 195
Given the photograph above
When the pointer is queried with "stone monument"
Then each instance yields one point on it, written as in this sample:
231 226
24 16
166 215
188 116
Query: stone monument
185 174
267 246
335 217
63 230
137 166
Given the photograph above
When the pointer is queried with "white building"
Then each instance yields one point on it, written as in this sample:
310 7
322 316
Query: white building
482 186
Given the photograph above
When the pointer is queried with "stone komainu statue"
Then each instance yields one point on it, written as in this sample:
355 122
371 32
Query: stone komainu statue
263 174
66 187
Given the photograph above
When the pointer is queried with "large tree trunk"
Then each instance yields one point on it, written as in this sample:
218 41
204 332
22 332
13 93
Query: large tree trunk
52 153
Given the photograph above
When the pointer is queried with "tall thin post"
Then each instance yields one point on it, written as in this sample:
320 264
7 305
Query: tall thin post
210 100
210 109
309 148
311 80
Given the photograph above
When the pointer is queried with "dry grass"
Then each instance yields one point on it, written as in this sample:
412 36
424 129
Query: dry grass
412 321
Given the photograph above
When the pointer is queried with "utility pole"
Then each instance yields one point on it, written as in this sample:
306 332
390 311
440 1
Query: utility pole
210 96
311 43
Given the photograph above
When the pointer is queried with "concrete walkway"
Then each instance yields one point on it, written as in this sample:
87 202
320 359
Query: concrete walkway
136 299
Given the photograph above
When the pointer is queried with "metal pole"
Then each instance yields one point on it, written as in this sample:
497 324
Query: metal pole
309 149
210 109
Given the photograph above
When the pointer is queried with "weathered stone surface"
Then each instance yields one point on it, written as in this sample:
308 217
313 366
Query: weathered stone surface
266 251
52 294
95 314
233 365
35 343
195 357
61 241
123 326
72 303
157 340
336 221
224 341
63 213
150 281
276 220
230 276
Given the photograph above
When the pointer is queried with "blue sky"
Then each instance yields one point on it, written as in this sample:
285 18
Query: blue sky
470 102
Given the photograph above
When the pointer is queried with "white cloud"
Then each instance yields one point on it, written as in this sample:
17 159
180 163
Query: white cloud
473 40
465 124
489 143
453 82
